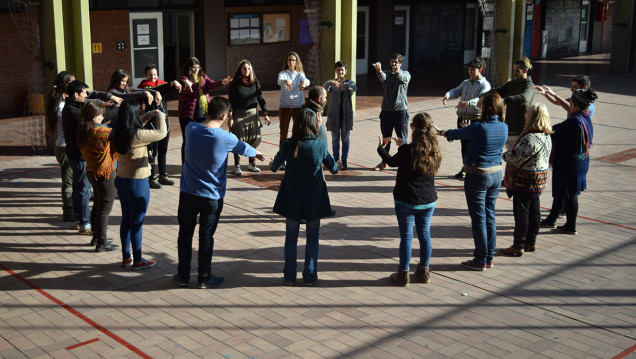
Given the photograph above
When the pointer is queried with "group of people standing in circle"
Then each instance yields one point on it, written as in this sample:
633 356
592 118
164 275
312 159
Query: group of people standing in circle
111 140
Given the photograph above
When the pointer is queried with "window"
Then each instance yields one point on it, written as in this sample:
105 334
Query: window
247 29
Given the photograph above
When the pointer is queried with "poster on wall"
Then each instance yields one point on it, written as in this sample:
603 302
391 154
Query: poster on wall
304 33
276 28
244 29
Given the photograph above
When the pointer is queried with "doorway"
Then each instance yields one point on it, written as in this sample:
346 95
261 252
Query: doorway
470 32
400 33
146 40
585 20
362 41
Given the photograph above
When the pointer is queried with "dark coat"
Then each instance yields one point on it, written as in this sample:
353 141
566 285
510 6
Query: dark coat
188 99
340 104
567 162
303 191
517 95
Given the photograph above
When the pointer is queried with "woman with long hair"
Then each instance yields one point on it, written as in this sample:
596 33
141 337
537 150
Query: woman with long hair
526 177
94 143
55 105
571 144
118 86
130 141
414 193
292 82
303 195
244 93
194 98
482 164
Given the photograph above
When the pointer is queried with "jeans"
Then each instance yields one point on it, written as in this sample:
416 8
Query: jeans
571 206
481 194
81 194
398 120
66 173
285 115
406 217
210 211
336 137
134 195
104 198
310 271
527 212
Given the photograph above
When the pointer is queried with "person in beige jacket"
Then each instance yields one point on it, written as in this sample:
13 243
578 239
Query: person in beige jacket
130 141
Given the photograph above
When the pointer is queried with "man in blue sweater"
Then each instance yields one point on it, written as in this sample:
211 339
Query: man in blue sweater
203 183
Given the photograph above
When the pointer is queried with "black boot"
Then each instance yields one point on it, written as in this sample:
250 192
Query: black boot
106 245
401 278
344 165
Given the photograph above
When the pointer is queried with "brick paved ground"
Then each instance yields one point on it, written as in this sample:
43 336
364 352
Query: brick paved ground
572 298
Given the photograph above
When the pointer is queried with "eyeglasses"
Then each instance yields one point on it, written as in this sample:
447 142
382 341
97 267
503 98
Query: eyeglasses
195 68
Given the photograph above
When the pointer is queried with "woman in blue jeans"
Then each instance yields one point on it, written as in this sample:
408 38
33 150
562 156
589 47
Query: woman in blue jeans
303 192
414 193
482 164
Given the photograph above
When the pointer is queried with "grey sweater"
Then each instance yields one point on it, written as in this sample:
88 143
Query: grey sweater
395 87
517 96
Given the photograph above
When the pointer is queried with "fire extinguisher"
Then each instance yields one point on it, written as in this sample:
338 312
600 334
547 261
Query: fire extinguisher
601 10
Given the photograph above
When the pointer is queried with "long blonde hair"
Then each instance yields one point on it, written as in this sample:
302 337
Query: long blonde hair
425 151
538 118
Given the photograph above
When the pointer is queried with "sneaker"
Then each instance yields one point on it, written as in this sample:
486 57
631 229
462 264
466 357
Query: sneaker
529 248
460 175
490 265
344 165
339 163
561 215
237 170
252 167
380 166
309 284
511 251
106 247
164 180
566 229
127 262
473 266
143 264
211 282
154 183
289 283
180 281
545 223
88 231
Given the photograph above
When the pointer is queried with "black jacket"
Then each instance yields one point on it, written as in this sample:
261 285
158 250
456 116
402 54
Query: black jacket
410 187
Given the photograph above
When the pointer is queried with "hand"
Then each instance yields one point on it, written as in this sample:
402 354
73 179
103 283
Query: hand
444 99
149 96
116 99
158 98
548 90
188 85
462 104
439 130
288 83
334 83
539 89
464 123
110 102
267 121
377 66
156 113
201 81
261 156
177 85
398 141
226 80
302 86
230 121
383 141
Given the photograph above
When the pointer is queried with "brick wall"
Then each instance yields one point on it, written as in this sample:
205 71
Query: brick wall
108 27
606 38
17 67
267 59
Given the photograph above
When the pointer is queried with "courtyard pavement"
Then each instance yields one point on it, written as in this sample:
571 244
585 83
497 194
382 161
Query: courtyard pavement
572 298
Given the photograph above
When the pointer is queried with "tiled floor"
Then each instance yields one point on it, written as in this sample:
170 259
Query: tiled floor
572 298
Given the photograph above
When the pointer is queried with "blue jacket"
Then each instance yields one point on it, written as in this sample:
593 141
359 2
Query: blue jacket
303 192
486 140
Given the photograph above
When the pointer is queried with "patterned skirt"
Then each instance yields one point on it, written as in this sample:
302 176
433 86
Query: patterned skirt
247 126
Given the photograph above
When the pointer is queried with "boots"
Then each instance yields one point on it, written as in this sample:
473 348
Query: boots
106 245
165 180
401 278
422 274
154 182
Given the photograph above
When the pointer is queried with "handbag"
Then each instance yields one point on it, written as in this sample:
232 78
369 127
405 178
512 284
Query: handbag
517 179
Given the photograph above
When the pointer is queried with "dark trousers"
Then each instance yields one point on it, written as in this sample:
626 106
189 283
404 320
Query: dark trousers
527 212
158 151
570 204
81 194
104 196
210 211
464 143
394 120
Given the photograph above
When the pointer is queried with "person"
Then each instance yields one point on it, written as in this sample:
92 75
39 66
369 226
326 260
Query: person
303 195
340 113
203 185
316 101
55 105
571 142
394 114
517 94
526 177
94 143
292 82
244 93
414 193
468 93
77 95
130 141
483 176
158 150
195 96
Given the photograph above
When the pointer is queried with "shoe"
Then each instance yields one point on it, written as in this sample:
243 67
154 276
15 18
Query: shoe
252 167
88 231
77 226
211 282
460 175
545 223
154 183
127 262
339 163
380 166
566 229
401 278
490 265
529 248
143 264
93 242
422 274
333 212
237 170
309 284
289 283
473 266
344 165
105 245
561 215
180 281
511 251
164 180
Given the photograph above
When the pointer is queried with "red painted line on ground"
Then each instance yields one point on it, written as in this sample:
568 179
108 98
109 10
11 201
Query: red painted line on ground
82 343
619 156
76 313
626 352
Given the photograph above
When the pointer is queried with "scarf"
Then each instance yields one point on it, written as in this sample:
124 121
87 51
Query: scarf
203 101
150 84
583 141
314 105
